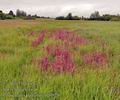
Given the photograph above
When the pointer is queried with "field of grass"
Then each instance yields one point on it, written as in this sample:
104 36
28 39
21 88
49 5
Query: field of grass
21 77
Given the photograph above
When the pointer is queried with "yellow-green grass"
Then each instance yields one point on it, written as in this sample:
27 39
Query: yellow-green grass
17 54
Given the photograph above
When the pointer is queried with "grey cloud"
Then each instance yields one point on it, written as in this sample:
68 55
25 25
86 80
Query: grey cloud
62 7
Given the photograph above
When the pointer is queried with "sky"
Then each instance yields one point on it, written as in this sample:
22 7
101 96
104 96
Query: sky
55 8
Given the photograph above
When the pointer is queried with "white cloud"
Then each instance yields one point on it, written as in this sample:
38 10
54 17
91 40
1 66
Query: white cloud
61 7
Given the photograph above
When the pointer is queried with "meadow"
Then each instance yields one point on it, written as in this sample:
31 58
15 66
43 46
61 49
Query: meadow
46 59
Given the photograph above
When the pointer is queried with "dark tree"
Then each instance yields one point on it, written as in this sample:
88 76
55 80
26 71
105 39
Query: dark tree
20 13
2 15
1 11
69 16
11 13
95 15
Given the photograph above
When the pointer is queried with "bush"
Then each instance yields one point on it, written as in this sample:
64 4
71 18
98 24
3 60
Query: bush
2 16
27 18
60 18
76 18
9 17
115 18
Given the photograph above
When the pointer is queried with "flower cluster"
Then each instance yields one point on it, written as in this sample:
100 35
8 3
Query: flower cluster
62 61
61 34
61 55
95 59
31 33
70 39
44 63
37 41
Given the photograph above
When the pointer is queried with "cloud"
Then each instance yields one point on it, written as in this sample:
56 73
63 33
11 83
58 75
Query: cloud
54 8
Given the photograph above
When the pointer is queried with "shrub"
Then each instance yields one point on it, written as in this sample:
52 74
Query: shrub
9 17
60 18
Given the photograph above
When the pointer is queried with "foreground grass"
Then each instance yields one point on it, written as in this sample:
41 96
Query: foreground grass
17 71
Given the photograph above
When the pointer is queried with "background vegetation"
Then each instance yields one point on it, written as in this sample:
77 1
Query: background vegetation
23 15
94 16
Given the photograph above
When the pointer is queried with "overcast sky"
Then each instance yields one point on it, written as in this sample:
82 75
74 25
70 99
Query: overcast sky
55 8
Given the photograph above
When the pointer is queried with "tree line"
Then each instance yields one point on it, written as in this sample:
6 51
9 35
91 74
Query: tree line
19 14
94 16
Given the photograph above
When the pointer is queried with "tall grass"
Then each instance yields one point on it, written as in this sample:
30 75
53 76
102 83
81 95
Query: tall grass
19 71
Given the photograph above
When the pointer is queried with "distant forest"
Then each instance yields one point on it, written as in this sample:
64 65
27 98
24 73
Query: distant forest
23 15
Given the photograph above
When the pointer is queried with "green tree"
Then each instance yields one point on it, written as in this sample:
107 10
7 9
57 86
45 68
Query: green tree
2 15
69 16
95 15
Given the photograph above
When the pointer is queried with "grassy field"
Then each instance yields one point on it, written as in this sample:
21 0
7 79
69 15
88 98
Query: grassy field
21 78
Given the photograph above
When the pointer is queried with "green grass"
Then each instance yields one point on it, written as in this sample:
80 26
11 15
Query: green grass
16 55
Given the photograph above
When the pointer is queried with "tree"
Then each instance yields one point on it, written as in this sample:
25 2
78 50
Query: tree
11 13
23 13
95 15
69 16
20 13
2 15
1 11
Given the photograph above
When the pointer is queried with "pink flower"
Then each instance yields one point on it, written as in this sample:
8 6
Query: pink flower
63 62
79 40
71 39
32 33
36 42
60 53
44 63
47 48
95 59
